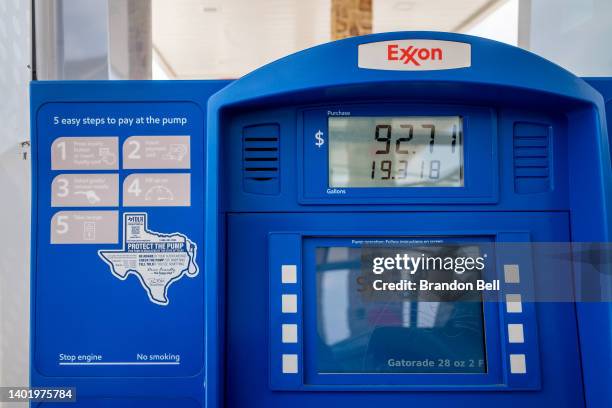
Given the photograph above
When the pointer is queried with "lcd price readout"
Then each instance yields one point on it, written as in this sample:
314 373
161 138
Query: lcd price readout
397 151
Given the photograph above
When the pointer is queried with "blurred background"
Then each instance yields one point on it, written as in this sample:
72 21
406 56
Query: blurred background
214 39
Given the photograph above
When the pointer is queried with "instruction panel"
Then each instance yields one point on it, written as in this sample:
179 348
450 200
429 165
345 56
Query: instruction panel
119 239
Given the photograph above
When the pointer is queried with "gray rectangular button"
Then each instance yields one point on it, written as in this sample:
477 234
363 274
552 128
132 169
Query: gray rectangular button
511 274
85 190
289 273
290 363
516 333
518 364
289 333
157 190
157 152
85 153
514 303
289 303
85 227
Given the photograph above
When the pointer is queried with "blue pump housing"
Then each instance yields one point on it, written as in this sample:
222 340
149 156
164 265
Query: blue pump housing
509 98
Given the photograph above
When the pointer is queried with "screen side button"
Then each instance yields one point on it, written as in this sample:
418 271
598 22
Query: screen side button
511 274
513 303
516 333
518 364
289 274
289 304
290 333
290 363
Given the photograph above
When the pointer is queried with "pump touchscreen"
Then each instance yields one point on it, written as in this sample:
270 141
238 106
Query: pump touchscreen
398 151
365 329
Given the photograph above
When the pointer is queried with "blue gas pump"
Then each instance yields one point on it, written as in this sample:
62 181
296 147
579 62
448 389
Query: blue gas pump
263 242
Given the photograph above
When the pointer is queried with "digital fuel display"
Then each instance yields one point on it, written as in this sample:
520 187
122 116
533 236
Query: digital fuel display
396 151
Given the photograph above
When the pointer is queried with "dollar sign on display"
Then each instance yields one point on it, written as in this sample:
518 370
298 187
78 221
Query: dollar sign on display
319 137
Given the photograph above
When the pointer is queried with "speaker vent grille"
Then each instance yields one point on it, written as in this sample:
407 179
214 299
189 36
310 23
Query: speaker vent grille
532 158
261 159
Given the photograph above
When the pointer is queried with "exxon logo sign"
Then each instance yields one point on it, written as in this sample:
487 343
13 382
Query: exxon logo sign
414 55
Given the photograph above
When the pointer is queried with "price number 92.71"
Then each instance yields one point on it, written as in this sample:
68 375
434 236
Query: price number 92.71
385 168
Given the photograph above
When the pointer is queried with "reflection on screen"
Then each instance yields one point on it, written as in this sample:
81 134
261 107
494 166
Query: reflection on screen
414 333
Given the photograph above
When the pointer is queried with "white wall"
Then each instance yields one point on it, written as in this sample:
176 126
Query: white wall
575 34
15 56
